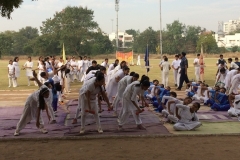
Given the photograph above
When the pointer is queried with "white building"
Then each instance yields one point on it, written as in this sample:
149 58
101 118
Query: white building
228 41
230 26
122 36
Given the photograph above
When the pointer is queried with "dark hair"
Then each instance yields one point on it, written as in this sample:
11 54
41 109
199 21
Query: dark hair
85 57
102 68
183 54
155 80
40 58
80 57
174 94
132 73
126 68
99 76
67 71
29 57
43 74
145 83
47 84
221 55
198 54
94 62
136 75
122 63
230 59
224 89
15 59
58 87
177 55
222 70
106 59
116 60
236 58
198 104
144 78
166 59
41 98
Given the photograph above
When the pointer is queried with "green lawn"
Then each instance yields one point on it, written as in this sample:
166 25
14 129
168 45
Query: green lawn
154 73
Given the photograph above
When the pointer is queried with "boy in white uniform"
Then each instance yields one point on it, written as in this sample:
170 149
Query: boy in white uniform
165 67
175 65
11 75
29 66
74 68
105 63
197 67
138 60
234 100
80 69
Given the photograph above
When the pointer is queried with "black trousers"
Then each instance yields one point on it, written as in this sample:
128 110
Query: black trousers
183 77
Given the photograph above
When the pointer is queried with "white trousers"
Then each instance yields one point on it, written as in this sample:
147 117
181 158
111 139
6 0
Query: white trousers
138 62
233 112
125 115
197 74
73 75
175 73
11 82
116 102
178 78
182 126
172 118
165 78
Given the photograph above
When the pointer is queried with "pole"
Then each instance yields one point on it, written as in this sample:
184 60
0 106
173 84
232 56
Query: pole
161 28
147 59
117 9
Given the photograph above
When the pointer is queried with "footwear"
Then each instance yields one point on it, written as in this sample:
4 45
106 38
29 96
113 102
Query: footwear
82 130
100 130
43 130
53 121
175 85
178 89
16 133
141 127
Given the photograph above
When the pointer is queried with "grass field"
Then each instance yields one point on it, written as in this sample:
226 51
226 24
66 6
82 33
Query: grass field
154 73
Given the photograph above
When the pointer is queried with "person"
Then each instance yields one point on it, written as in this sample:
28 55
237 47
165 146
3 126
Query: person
234 100
229 77
202 65
221 77
183 72
73 69
221 60
170 106
35 103
233 65
122 85
197 67
16 69
162 60
105 63
234 84
236 61
111 88
89 62
130 103
28 66
221 102
165 67
80 69
188 119
175 64
179 70
11 74
40 59
92 67
154 91
88 102
138 60
92 73
115 70
84 67
41 68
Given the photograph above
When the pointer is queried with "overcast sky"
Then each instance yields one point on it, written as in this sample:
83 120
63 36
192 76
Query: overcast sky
135 14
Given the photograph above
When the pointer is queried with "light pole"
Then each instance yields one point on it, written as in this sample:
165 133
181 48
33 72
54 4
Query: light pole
117 9
160 1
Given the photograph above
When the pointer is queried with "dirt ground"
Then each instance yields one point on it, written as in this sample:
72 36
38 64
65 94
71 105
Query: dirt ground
179 148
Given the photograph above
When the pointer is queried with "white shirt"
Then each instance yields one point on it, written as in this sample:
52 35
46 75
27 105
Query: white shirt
165 65
175 64
234 65
138 57
74 64
89 63
80 64
10 68
28 64
196 60
104 64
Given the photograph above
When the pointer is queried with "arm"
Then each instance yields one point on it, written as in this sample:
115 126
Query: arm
36 79
230 97
88 100
106 99
117 79
168 107
143 100
177 115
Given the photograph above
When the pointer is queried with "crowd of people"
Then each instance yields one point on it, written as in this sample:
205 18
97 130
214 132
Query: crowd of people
113 84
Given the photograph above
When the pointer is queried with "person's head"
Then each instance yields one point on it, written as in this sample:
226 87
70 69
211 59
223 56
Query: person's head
67 71
58 87
123 64
145 85
143 78
94 63
48 84
222 70
106 60
173 94
176 56
198 56
100 80
85 57
168 88
216 88
16 59
166 59
236 59
44 75
103 69
187 100
29 59
183 54
46 59
195 107
61 59
199 82
80 57
135 77
221 56
132 73
126 70
10 62
155 82
202 85
223 90
40 58
161 85
229 60
73 58
50 57
44 93
89 58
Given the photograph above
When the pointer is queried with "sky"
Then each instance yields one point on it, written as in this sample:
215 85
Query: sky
133 14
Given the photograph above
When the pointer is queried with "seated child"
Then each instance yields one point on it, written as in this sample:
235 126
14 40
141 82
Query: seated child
234 100
221 101
202 93
220 79
211 96
168 103
154 90
191 91
188 119
172 117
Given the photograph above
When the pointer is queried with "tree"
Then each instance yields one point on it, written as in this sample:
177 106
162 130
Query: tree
74 26
209 43
7 7
234 49
6 42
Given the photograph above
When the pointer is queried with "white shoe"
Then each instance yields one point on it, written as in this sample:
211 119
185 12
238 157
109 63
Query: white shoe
100 130
43 130
9 86
28 84
16 133
82 130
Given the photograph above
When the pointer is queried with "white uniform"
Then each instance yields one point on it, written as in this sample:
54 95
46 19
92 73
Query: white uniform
11 77
122 85
113 85
83 103
222 78
235 84
233 65
80 70
110 68
84 68
29 70
138 60
165 72
186 122
40 70
199 96
90 75
197 68
228 78
17 69
175 65
73 72
129 95
235 111
152 94
178 75
104 64
165 112
89 63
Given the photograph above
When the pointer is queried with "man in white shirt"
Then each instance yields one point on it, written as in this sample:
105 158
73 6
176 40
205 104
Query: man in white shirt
175 65
165 67
74 67
160 64
105 63
197 67
233 65
138 60
80 68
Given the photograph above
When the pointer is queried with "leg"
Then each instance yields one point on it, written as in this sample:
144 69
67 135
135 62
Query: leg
166 78
116 103
136 118
95 108
172 118
9 81
179 127
124 117
28 78
182 77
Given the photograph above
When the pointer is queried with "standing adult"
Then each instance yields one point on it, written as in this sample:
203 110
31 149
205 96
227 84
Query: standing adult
28 66
175 64
197 67
17 70
183 72
165 67
221 60
138 60
202 65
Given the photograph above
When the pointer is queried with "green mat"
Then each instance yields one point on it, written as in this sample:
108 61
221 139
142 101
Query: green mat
210 128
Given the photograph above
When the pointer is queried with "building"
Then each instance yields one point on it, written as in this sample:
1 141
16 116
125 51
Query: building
122 36
231 26
228 41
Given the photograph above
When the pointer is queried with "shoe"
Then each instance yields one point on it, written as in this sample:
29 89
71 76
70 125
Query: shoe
82 131
178 89
16 133
100 130
43 130
175 85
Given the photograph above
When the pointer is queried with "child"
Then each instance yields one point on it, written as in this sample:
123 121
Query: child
169 108
188 119
172 117
16 71
234 100
130 103
221 101
221 77
41 68
28 66
211 95
11 74
154 90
